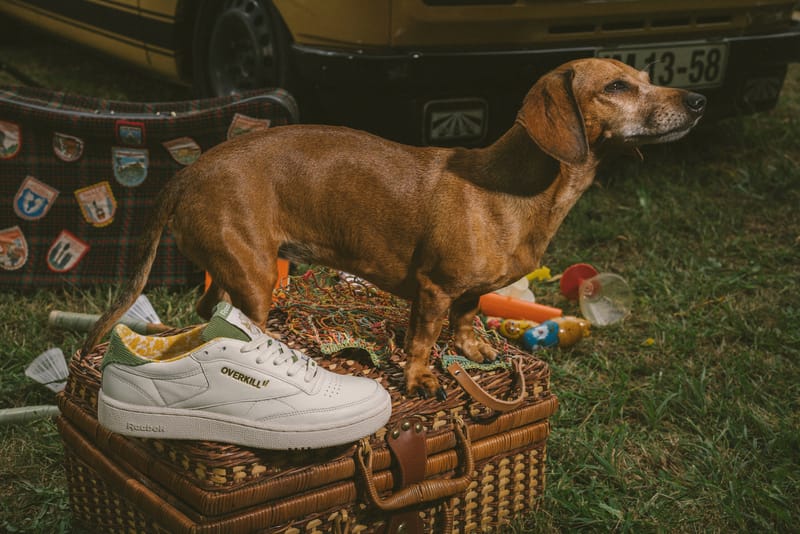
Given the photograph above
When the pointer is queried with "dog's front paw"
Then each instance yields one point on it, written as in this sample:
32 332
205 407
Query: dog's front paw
476 349
420 382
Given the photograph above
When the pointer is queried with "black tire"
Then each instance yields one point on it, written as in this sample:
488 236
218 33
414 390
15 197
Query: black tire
239 45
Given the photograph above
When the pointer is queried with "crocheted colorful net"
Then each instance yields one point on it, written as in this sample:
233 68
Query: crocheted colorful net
334 311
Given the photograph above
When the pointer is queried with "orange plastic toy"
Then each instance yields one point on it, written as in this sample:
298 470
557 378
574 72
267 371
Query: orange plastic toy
511 308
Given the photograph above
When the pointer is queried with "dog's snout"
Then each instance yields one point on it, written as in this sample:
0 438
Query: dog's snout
695 102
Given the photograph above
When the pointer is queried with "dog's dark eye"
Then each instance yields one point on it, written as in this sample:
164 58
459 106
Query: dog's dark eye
617 86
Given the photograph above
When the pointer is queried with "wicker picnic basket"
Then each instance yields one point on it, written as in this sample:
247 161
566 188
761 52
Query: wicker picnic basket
467 464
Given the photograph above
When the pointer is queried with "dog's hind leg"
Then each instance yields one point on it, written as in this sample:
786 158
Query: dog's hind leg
243 275
251 290
209 299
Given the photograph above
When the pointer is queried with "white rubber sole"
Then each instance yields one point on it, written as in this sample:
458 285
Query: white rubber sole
171 423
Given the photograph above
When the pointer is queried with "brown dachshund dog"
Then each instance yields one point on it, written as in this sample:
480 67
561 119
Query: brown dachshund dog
438 226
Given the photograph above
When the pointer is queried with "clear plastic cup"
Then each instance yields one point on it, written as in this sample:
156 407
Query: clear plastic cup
605 299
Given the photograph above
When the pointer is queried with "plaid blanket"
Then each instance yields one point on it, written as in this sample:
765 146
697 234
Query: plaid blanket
78 176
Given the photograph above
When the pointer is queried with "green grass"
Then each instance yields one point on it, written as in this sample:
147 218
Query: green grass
684 418
33 488
698 431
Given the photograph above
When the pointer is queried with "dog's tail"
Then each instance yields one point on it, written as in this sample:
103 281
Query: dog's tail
143 262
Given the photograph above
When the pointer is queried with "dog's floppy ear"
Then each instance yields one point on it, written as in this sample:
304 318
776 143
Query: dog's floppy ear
552 117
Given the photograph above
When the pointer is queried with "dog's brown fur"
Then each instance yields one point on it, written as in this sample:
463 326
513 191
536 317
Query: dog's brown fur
435 225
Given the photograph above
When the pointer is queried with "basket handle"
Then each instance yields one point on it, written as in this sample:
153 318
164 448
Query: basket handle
484 397
419 492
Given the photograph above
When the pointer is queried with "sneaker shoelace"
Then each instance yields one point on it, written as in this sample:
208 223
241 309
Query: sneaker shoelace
280 354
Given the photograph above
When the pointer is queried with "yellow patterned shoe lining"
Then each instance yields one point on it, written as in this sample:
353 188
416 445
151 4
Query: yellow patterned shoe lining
158 348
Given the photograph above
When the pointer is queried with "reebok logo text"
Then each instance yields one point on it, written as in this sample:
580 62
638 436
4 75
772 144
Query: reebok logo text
144 428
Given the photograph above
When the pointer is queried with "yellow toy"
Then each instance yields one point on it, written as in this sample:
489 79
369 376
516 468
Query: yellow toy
572 329
514 328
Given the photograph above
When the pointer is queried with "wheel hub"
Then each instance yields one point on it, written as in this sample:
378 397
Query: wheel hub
240 48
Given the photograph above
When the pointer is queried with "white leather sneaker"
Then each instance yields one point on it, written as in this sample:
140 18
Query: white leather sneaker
228 381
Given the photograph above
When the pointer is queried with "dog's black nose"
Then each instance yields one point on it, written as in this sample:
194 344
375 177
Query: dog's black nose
695 102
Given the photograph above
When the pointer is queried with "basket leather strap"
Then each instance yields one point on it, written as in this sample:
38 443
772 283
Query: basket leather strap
425 491
407 443
484 397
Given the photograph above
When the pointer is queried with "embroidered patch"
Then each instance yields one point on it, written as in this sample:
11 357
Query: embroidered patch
34 199
242 124
130 165
184 150
67 147
97 203
13 248
130 133
10 140
65 252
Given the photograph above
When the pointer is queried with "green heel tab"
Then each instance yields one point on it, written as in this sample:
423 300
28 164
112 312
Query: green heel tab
118 352
230 322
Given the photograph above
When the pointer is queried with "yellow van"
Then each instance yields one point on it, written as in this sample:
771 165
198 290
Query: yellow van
433 71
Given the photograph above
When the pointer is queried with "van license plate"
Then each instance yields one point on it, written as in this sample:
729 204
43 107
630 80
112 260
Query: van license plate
686 66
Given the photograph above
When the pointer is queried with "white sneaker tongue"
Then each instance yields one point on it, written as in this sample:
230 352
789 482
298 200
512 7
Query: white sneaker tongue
229 321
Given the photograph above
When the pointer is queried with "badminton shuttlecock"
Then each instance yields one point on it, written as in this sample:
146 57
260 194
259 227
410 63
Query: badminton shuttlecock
141 318
142 309
49 368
